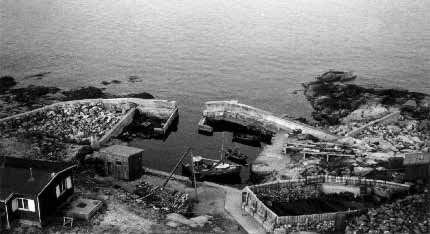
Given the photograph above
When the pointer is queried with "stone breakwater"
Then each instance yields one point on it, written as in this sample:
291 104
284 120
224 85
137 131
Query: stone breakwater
403 216
258 120
71 123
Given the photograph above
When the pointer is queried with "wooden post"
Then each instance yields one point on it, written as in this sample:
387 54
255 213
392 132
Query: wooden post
194 177
176 166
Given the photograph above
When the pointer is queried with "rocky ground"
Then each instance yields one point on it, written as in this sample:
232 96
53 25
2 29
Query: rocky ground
402 216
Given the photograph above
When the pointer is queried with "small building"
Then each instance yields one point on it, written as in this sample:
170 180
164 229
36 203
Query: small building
122 162
417 167
32 190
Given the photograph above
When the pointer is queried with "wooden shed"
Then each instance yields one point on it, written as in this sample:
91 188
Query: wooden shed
417 166
122 162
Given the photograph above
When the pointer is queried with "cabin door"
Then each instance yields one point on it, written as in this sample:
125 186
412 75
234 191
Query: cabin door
3 221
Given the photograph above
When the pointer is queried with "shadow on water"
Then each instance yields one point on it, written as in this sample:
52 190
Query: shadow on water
241 134
143 127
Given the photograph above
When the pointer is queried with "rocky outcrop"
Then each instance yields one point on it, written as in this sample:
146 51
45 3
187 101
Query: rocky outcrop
333 97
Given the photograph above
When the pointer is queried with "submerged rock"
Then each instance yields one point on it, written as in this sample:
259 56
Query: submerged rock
142 95
89 92
31 94
6 82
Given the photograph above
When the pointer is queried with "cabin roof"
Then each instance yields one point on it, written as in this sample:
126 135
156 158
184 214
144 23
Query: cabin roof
417 158
15 175
121 150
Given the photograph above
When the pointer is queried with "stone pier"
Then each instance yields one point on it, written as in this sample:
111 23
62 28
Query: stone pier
257 119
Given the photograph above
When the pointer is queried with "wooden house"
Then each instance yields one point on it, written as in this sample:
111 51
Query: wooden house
32 190
417 167
122 162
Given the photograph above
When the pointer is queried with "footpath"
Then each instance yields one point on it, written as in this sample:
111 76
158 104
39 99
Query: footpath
233 203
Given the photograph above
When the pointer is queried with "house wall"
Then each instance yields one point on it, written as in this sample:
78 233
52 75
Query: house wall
17 214
48 201
3 218
135 165
418 172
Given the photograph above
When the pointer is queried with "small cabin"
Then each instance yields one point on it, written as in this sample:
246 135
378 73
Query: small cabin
32 190
122 162
417 166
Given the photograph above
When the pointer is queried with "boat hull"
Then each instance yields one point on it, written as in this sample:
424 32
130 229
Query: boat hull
228 176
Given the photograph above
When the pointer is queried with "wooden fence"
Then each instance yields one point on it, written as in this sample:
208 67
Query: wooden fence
271 221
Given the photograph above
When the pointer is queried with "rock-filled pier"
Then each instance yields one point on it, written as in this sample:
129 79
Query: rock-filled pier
88 122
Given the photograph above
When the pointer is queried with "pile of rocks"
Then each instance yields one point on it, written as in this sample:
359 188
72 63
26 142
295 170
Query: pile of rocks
403 216
290 194
162 199
75 123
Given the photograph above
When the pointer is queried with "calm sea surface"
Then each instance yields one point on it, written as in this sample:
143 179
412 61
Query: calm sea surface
194 51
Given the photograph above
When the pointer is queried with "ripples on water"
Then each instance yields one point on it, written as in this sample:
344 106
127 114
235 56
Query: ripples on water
194 51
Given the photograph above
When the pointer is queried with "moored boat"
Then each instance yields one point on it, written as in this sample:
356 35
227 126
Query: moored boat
206 168
247 139
236 156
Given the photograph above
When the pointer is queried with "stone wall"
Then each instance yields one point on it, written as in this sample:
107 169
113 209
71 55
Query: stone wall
249 116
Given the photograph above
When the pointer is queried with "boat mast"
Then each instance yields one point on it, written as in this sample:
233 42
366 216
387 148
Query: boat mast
222 147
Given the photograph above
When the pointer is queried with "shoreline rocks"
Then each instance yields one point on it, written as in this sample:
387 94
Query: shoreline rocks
333 98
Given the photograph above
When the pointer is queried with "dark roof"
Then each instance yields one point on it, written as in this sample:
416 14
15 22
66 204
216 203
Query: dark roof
15 176
416 158
121 150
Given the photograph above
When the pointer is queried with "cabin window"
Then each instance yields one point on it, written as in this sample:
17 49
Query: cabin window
63 186
25 204
118 163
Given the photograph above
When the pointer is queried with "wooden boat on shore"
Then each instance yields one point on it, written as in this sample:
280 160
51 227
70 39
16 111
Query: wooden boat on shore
210 168
205 168
236 156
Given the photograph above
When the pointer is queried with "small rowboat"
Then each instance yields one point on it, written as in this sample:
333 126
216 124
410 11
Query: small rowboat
236 156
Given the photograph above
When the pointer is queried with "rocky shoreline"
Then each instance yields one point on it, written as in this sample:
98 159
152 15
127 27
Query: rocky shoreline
18 100
336 99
